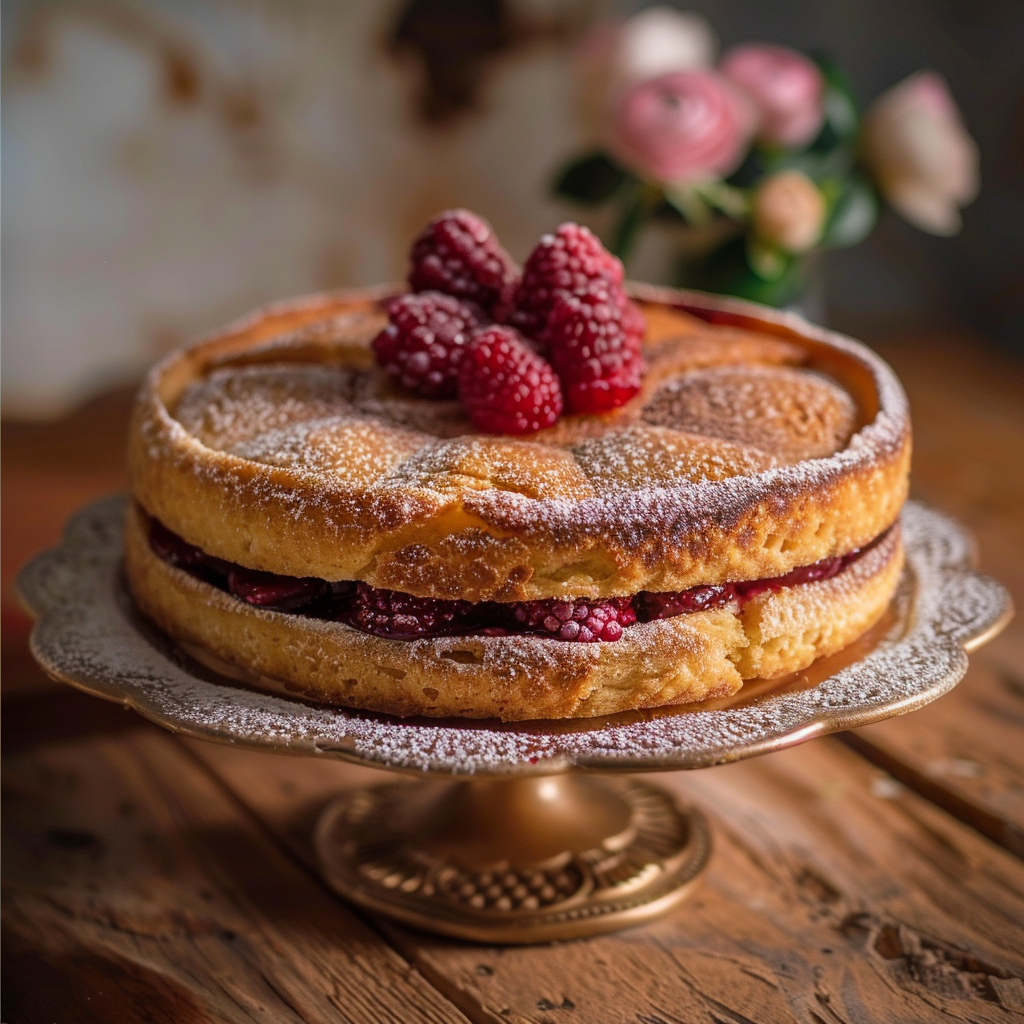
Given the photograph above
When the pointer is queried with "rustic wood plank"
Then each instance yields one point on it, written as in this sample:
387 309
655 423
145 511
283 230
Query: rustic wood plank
834 894
965 752
46 714
136 889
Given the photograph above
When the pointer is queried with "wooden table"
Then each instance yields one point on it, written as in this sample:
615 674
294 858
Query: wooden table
871 877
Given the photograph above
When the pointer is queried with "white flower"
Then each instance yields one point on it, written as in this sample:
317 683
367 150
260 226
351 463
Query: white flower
660 40
924 161
617 55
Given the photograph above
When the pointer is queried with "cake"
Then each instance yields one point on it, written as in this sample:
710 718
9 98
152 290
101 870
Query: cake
300 516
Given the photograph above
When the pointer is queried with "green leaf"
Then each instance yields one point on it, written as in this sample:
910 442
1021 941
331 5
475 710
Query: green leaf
818 165
768 261
853 215
728 272
841 115
640 201
590 179
787 289
733 202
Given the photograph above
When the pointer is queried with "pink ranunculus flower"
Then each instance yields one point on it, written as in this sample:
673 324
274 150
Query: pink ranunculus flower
923 159
786 87
685 126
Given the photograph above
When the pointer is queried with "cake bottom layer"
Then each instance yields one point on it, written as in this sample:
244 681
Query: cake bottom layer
677 660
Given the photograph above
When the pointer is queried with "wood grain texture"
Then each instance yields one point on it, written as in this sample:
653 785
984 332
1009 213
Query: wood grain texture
834 894
136 890
966 751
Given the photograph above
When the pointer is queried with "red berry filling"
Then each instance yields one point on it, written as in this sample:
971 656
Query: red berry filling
174 549
399 616
268 590
584 620
402 616
663 606
177 551
697 599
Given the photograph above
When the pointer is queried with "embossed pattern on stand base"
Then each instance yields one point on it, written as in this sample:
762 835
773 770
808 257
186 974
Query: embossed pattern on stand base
517 860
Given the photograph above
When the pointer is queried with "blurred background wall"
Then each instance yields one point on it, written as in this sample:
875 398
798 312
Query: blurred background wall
168 164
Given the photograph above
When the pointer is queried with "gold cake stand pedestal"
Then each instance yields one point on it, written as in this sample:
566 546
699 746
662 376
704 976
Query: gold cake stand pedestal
531 844
514 860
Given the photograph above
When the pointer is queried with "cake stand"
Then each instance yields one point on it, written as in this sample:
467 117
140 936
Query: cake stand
533 845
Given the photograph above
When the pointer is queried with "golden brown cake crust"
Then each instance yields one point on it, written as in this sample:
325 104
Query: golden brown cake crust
678 660
279 446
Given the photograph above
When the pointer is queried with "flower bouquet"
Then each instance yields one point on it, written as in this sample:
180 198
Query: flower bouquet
760 160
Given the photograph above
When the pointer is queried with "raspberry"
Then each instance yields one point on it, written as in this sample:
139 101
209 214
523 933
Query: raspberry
423 344
505 386
581 620
401 616
697 599
457 253
268 590
598 360
565 262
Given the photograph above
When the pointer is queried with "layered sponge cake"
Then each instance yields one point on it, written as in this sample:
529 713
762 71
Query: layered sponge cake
299 514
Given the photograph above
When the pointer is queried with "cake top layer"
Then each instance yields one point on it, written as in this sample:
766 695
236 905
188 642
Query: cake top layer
717 403
745 454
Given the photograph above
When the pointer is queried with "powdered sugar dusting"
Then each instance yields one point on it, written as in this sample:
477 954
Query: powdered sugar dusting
791 413
357 448
642 457
749 420
89 634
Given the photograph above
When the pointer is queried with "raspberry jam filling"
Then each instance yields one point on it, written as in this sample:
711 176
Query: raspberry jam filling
390 613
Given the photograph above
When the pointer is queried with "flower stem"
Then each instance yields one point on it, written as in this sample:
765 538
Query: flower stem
643 199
